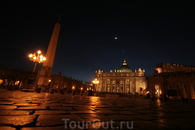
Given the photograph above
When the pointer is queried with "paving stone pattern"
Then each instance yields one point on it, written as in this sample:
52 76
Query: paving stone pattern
44 111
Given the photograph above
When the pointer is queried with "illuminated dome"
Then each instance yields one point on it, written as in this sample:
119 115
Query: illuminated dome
125 67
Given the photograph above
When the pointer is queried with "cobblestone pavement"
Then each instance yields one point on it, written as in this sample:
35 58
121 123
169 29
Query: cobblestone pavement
43 111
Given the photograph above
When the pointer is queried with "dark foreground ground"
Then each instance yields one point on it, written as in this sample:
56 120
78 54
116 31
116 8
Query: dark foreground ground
44 111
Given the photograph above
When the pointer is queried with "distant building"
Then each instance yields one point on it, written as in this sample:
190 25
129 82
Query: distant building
162 67
16 79
68 84
172 80
123 80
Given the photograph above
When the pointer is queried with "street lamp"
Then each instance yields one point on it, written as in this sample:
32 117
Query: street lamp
81 92
37 58
73 90
96 82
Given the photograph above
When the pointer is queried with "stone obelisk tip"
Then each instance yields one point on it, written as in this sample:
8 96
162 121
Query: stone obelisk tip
59 18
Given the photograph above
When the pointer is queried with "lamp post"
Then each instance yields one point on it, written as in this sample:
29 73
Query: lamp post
37 58
73 90
81 93
95 82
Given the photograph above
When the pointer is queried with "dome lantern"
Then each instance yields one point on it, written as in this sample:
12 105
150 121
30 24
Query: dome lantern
125 67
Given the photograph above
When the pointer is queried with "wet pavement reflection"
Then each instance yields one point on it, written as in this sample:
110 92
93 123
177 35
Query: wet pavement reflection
30 110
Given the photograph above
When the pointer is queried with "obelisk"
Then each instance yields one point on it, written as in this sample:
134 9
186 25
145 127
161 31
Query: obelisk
44 74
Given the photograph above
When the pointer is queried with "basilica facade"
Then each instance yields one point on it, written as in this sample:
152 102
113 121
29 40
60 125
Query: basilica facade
123 80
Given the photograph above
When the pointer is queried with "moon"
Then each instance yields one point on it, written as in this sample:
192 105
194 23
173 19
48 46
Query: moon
115 37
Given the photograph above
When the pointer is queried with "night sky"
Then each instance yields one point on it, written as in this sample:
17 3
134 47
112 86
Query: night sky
148 33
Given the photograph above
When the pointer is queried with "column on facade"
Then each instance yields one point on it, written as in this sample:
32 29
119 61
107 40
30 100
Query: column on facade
105 88
100 85
191 89
124 86
174 87
178 90
106 85
131 86
117 85
180 86
188 93
111 85
183 90
121 86
140 86
103 85
135 85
